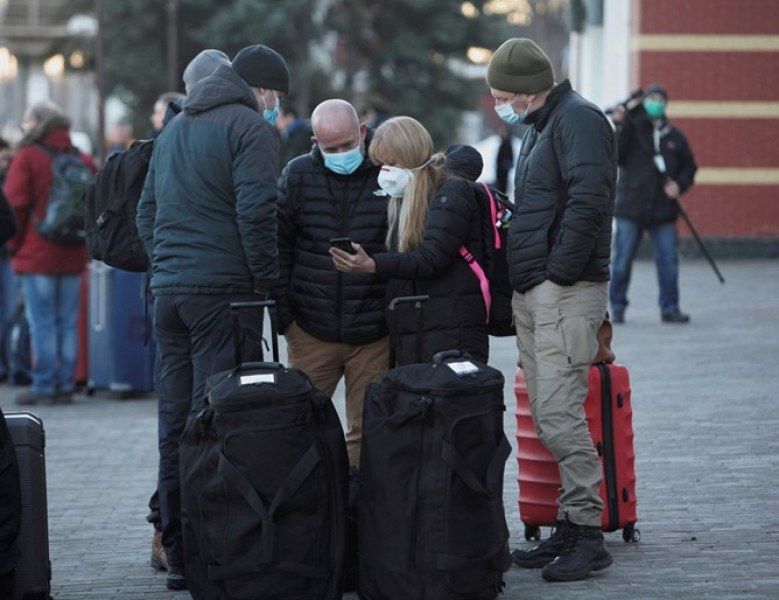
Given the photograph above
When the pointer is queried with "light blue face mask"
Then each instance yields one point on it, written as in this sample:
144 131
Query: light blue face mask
343 163
271 115
506 113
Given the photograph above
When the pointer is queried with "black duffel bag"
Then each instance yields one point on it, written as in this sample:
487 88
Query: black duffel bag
264 479
431 518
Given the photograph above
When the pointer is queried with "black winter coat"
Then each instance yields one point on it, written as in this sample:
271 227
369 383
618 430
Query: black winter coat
565 184
455 316
315 206
640 195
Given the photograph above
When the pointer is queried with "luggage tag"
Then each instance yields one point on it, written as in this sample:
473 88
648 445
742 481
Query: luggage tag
257 378
462 368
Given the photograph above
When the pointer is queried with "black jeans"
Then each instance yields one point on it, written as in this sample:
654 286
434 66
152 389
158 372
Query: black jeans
194 340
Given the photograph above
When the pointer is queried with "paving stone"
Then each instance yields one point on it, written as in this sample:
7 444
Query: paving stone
707 459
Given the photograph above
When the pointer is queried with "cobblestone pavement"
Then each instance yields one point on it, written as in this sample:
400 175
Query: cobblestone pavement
707 446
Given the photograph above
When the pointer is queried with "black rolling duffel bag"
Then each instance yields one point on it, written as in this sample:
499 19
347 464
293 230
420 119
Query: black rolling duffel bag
264 477
431 517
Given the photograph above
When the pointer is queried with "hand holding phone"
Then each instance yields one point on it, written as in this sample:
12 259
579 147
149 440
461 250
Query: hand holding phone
343 243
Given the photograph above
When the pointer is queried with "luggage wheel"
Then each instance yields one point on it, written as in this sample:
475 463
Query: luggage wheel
631 533
532 533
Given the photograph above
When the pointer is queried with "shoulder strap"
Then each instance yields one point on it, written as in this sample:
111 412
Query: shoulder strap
51 151
484 283
493 215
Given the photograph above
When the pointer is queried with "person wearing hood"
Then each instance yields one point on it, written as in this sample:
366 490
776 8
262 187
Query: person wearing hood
49 273
656 166
207 216
334 325
200 67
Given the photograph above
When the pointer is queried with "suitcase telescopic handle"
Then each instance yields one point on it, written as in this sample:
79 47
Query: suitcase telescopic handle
408 300
418 302
235 310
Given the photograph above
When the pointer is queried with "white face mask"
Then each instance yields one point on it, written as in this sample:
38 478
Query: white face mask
394 180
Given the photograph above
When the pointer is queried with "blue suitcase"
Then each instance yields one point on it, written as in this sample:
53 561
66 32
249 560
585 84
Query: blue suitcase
120 337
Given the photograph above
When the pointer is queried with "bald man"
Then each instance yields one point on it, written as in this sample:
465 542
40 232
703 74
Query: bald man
334 322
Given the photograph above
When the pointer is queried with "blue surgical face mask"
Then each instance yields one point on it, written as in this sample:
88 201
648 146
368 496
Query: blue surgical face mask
506 112
271 115
343 163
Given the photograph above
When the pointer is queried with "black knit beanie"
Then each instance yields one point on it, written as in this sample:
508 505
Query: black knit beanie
262 67
464 161
521 67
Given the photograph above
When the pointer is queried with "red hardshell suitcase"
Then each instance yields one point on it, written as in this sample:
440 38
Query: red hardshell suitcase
33 571
610 419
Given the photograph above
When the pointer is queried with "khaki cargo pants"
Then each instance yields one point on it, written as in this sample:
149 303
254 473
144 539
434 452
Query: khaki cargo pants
326 362
556 336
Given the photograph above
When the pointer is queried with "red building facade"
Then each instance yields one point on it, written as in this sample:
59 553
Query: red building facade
719 61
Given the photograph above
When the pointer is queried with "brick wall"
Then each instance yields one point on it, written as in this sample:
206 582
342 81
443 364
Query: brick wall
719 60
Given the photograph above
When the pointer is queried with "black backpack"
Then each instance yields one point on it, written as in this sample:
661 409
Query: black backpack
497 211
431 518
63 222
111 204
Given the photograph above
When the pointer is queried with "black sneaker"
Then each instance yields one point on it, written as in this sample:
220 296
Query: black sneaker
676 317
584 551
545 552
176 579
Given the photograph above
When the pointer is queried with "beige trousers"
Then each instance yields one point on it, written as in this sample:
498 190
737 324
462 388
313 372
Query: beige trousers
557 330
326 362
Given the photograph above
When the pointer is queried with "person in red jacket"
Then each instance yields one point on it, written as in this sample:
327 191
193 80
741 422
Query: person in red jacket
49 274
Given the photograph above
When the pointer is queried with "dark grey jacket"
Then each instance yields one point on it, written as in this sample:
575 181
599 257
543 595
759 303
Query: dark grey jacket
565 186
207 214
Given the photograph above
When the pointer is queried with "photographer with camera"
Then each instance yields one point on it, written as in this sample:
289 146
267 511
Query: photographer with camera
656 166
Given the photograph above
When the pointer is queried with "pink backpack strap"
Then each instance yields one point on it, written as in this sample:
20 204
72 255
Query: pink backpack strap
481 276
493 215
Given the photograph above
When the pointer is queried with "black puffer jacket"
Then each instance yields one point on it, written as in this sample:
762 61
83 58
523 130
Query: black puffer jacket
315 206
565 185
640 194
455 316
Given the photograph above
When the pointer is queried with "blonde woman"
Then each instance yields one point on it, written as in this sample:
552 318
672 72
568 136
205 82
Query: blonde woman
432 215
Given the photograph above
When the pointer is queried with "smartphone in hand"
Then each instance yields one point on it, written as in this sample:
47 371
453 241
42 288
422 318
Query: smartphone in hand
343 243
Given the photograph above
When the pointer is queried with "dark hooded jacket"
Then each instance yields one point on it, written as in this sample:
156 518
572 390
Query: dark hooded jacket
640 195
565 185
315 206
207 214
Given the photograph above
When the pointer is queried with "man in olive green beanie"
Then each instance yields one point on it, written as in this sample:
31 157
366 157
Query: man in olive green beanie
520 66
558 254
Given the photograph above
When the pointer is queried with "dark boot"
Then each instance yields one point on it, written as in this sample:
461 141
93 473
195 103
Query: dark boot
545 552
584 551
176 579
